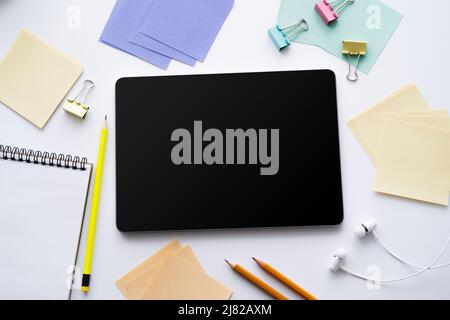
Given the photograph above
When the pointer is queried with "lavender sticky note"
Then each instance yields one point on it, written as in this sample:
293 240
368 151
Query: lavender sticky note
189 26
145 41
118 29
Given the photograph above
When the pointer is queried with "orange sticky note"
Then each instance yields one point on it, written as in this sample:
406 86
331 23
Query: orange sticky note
176 279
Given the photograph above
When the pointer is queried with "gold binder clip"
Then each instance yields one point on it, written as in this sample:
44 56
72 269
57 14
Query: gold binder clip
76 106
353 48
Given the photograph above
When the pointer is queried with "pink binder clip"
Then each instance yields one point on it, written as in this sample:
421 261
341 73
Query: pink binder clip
329 10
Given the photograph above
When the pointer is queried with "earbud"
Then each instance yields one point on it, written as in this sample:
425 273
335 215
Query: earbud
365 228
337 260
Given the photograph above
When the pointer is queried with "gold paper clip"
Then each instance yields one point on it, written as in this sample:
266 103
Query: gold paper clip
76 106
353 48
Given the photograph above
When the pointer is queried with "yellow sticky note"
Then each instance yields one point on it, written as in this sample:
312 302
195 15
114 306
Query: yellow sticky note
413 162
443 113
366 125
435 122
178 280
35 77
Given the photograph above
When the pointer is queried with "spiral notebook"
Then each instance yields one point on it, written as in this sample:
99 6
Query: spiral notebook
42 206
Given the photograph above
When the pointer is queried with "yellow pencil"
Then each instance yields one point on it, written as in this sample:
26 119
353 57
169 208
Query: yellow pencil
255 280
94 208
291 284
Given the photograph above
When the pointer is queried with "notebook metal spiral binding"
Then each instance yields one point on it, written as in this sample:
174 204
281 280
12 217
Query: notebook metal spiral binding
44 158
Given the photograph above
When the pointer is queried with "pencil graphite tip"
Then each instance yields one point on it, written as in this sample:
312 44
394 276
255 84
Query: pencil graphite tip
231 265
256 260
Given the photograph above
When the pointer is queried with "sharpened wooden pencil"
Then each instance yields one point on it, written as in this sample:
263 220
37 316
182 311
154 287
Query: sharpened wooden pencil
291 284
255 280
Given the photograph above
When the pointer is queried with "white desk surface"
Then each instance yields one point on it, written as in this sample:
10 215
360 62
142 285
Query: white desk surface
418 52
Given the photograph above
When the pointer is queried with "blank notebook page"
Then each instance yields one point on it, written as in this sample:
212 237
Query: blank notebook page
41 215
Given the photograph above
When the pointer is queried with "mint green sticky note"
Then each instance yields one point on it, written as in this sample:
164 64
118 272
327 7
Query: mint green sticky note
364 20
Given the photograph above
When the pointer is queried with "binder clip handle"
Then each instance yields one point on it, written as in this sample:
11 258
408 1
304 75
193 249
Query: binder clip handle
342 5
88 85
293 30
355 76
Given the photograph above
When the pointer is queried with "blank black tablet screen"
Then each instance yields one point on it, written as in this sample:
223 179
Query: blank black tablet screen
227 151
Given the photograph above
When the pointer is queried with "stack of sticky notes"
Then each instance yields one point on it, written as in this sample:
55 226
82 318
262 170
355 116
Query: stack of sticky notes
158 31
409 144
172 273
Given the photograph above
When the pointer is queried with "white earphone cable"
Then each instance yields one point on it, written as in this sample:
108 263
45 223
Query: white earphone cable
396 256
402 278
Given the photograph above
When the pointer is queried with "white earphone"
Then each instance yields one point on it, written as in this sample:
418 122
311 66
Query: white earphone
369 227
365 228
338 259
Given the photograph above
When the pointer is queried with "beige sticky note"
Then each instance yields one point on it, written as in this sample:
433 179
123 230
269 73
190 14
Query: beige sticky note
35 77
429 113
435 122
146 264
413 162
178 280
366 125
136 285
438 122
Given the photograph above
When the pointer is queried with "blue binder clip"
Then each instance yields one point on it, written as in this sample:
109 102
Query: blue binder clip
282 37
